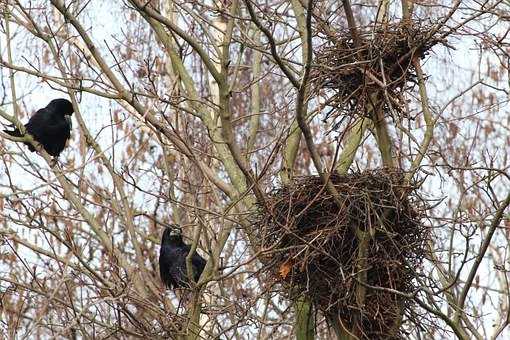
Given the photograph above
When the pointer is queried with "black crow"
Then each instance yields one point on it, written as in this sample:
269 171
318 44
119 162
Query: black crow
50 126
172 259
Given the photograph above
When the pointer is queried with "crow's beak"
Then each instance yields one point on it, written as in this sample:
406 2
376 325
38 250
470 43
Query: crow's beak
69 121
175 233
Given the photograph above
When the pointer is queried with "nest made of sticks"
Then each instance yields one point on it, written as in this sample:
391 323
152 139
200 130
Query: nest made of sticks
333 253
376 69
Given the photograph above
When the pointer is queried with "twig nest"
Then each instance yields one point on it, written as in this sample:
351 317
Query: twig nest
336 254
349 75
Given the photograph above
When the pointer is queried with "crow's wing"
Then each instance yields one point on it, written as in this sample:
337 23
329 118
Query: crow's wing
172 265
197 262
198 265
46 123
165 261
38 119
50 130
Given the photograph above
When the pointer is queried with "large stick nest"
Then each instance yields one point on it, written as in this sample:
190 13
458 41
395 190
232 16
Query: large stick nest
311 245
350 75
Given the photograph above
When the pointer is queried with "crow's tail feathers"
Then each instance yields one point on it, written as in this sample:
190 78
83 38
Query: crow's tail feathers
14 133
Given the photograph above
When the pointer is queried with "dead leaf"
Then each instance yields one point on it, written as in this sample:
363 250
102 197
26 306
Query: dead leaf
285 269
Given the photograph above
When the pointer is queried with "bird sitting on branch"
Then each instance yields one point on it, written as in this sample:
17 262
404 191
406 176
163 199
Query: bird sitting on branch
172 259
50 126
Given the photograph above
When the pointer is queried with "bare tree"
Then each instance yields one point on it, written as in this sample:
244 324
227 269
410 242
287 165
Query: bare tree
193 113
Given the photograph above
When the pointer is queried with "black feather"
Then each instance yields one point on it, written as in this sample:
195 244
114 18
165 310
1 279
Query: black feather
50 126
172 259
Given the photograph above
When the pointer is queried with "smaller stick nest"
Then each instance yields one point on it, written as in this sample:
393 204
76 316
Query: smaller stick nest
348 74
315 247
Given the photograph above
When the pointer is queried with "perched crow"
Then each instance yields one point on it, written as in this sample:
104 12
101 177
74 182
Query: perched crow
50 126
172 259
